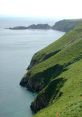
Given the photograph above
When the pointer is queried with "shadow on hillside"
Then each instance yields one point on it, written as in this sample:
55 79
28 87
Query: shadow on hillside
44 57
54 88
49 73
42 79
51 54
50 93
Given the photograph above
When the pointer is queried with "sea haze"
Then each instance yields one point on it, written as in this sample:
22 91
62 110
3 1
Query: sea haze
16 50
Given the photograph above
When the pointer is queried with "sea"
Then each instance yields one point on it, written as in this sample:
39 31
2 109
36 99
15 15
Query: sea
16 50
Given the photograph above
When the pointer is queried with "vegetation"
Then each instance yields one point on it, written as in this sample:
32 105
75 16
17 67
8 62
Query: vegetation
66 25
55 73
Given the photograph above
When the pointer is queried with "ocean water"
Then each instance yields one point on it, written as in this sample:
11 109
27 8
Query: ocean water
16 50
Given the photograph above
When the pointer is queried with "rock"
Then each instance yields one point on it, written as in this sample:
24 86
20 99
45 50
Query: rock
38 104
24 80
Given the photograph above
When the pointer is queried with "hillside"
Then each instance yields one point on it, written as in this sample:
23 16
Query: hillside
66 25
55 73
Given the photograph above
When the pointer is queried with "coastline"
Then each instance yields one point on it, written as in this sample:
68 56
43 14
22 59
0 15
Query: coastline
39 75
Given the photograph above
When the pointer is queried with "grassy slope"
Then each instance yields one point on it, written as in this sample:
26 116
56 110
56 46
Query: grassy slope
63 91
66 54
70 103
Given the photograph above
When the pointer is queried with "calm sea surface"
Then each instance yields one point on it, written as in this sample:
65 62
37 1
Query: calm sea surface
16 50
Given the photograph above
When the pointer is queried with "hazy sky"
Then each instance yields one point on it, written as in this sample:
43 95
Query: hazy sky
42 8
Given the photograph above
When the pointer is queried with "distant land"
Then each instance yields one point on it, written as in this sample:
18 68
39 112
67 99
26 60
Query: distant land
62 25
17 28
33 26
66 25
39 26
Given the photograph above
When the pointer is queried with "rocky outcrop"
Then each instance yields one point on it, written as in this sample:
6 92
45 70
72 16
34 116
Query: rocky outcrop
32 83
24 80
39 103
41 79
48 94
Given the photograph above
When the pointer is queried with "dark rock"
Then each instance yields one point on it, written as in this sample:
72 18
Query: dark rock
52 91
24 80
38 104
32 63
34 85
41 79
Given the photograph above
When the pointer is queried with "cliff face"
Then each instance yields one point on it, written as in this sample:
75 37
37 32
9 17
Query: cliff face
47 95
55 74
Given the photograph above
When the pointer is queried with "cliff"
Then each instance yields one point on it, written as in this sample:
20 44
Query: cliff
55 73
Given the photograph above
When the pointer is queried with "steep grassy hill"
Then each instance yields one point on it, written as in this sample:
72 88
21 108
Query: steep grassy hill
55 73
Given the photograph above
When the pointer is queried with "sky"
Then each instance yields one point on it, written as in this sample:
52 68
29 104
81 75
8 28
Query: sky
69 9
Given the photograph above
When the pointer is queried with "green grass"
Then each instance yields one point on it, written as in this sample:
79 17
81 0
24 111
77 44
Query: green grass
70 47
63 42
58 78
70 103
